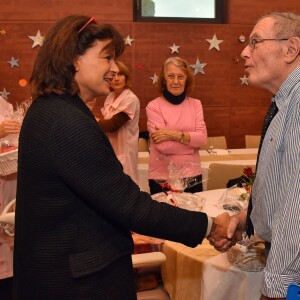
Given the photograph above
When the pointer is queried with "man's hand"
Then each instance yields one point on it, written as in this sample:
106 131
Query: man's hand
218 234
237 226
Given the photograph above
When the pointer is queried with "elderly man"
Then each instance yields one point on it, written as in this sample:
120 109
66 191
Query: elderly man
272 62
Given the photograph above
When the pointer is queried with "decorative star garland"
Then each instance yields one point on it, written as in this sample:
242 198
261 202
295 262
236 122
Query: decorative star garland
4 93
154 78
139 66
214 43
128 40
13 62
38 39
174 49
198 67
244 80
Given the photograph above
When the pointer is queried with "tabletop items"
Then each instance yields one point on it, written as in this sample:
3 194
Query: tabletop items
203 273
234 199
187 201
248 255
9 162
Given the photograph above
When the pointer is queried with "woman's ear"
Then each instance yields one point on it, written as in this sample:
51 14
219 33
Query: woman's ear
293 50
76 64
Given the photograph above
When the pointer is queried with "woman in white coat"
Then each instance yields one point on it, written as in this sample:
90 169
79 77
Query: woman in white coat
120 121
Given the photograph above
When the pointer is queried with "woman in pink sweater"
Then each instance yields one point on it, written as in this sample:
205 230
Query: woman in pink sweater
177 128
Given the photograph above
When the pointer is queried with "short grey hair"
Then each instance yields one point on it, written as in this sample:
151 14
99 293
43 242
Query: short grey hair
286 25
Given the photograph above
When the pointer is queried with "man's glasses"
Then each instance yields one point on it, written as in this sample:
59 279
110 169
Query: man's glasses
92 19
254 41
171 77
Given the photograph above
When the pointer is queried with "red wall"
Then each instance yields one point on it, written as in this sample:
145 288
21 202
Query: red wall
231 109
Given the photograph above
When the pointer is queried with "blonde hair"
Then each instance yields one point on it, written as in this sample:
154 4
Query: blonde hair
124 71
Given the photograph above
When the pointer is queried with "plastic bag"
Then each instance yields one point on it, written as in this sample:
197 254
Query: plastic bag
187 201
234 199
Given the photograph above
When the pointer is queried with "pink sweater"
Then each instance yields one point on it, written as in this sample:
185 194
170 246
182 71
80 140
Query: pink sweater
188 117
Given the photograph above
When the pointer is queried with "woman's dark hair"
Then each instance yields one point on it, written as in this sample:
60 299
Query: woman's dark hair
68 38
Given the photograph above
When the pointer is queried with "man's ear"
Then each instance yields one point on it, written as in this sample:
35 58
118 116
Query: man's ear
293 50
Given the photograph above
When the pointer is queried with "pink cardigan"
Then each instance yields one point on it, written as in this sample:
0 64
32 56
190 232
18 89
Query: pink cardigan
188 117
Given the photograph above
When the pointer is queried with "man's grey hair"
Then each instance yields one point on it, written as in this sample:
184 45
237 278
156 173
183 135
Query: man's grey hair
286 24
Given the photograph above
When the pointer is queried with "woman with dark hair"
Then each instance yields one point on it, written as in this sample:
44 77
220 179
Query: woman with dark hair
75 205
176 126
120 120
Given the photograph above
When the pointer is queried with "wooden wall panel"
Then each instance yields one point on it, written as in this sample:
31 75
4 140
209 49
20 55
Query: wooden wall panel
244 120
248 12
38 10
230 109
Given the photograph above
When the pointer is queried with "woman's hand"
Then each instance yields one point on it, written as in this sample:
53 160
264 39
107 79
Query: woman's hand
163 135
9 126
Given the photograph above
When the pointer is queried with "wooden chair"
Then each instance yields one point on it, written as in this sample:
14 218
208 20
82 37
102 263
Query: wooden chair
252 141
144 141
8 216
143 145
217 142
148 261
220 174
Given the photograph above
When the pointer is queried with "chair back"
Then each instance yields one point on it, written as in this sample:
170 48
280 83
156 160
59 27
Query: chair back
8 217
215 142
220 174
143 145
148 261
252 141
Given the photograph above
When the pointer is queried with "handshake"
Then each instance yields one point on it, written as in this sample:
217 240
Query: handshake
226 230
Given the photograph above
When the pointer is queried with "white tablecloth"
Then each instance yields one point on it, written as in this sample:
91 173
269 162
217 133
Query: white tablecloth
143 167
203 274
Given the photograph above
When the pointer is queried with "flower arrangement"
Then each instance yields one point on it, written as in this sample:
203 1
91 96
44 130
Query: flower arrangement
248 177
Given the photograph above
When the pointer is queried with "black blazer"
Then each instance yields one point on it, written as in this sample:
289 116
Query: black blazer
75 206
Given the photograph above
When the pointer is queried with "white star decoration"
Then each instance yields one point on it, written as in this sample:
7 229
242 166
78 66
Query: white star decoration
244 80
4 93
214 43
174 48
154 78
38 40
13 62
128 40
198 67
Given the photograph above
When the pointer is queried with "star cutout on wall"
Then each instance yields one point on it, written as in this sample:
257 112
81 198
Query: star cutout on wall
139 66
13 62
214 43
128 40
174 48
38 40
4 93
2 32
198 67
244 80
154 78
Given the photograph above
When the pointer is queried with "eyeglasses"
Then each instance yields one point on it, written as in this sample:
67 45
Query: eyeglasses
171 77
254 41
92 19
